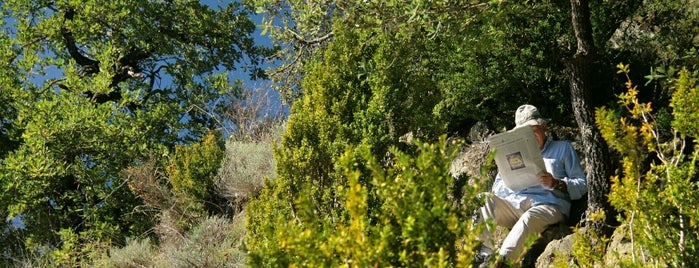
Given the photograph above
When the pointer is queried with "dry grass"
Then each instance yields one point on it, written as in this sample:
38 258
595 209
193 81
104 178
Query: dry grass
215 242
244 170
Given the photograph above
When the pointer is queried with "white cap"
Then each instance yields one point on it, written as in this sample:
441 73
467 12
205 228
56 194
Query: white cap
528 115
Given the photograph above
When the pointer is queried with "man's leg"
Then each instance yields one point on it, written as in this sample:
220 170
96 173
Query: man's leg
533 221
500 211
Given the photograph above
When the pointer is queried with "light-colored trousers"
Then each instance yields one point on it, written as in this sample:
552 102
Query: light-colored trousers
522 222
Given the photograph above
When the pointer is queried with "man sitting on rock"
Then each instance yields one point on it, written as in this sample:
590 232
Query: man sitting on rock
529 211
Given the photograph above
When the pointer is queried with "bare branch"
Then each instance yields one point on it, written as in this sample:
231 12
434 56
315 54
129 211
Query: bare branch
303 40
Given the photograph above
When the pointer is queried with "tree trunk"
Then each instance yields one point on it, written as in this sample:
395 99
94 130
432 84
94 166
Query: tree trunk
598 164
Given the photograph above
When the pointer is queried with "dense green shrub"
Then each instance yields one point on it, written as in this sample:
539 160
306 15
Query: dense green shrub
657 190
192 172
358 95
404 214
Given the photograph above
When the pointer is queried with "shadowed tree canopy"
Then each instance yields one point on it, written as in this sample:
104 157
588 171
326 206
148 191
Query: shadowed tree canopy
89 88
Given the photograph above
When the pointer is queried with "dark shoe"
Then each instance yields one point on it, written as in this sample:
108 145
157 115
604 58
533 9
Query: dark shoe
481 259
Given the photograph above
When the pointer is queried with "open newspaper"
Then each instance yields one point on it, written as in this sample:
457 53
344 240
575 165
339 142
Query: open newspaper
518 157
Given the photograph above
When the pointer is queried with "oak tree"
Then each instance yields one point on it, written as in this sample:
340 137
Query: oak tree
89 88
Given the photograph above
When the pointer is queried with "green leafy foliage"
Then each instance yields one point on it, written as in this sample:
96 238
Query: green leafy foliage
500 56
656 38
67 167
93 93
192 172
401 215
344 106
658 200
485 58
89 89
684 105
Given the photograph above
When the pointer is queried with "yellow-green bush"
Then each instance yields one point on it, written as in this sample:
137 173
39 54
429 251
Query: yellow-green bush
405 215
657 201
357 96
192 171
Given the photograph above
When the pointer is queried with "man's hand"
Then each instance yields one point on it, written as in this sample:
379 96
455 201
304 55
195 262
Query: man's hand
547 180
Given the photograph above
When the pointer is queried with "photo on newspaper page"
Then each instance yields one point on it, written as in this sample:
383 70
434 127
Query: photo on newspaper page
518 157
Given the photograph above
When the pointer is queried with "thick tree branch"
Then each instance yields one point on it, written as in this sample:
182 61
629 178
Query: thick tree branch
125 68
582 27
89 66
597 157
128 66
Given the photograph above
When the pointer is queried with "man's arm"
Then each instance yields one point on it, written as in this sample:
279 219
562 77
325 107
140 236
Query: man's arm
575 181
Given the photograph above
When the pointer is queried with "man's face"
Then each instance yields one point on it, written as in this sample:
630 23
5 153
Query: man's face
540 134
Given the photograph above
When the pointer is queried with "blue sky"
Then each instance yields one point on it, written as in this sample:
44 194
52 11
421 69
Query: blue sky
260 39
257 35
